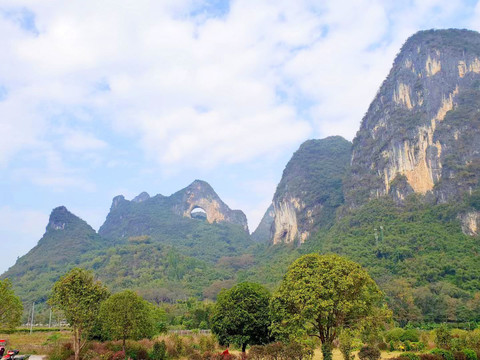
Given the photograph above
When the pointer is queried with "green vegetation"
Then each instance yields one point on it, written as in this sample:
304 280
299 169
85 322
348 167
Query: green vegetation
126 315
315 174
79 296
241 315
11 307
418 255
320 295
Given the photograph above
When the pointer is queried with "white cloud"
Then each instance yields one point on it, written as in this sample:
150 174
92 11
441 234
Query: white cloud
80 141
50 171
207 90
192 92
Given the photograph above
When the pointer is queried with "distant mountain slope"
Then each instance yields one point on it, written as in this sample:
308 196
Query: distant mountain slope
405 203
168 220
309 192
66 239
144 244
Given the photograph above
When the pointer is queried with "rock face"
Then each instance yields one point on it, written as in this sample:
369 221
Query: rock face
201 195
146 215
470 222
421 133
309 192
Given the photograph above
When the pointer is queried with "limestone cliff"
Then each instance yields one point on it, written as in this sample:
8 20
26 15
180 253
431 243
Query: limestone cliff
201 195
145 215
309 192
421 133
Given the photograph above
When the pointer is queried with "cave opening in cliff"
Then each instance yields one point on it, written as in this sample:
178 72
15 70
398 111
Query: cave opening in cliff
198 213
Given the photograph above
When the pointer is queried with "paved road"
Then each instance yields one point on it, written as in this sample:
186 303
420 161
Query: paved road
38 357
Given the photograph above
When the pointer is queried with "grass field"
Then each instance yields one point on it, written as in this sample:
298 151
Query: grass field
42 342
35 343
337 355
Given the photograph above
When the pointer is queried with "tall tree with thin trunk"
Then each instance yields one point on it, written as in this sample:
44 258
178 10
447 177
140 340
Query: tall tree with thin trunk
79 296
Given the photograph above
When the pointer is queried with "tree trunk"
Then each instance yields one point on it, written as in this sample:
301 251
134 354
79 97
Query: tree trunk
244 347
123 345
327 350
76 343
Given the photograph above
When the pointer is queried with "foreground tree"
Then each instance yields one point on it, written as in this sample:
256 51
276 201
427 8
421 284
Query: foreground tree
79 297
241 315
127 316
320 295
11 308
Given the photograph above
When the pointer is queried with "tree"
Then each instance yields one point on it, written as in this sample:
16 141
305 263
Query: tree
320 295
241 315
79 296
11 308
126 315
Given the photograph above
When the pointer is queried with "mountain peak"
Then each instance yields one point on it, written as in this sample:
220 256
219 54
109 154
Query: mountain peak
309 192
421 132
141 197
59 218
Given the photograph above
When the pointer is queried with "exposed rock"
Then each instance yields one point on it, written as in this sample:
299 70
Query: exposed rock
470 223
309 192
262 232
117 200
201 195
424 123
144 214
141 197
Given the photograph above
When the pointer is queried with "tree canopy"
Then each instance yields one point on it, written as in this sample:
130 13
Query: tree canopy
11 308
126 315
241 315
319 295
79 296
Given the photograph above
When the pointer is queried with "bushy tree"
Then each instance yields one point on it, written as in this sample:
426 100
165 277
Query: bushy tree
443 337
79 296
11 307
126 315
241 315
320 295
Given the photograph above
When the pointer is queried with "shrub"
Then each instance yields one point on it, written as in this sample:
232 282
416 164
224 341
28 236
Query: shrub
382 346
207 343
445 354
369 353
473 339
470 354
443 337
430 357
409 356
61 352
135 350
159 351
411 335
119 355
279 350
391 346
394 335
346 345
175 346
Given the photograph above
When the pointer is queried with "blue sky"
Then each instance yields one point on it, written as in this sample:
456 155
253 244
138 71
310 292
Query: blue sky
118 97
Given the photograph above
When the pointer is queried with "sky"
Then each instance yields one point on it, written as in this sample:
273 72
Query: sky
101 98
